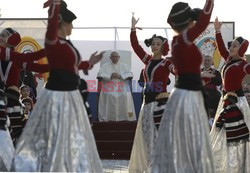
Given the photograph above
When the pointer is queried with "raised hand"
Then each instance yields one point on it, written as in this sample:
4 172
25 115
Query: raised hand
95 58
47 3
134 21
217 24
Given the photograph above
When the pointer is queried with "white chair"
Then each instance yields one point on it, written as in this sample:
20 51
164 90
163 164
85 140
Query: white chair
125 57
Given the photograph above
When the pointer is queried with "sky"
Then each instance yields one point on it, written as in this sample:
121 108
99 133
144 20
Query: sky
110 13
118 12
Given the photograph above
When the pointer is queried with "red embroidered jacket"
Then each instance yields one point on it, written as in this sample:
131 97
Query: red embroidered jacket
61 54
10 76
187 58
234 71
160 73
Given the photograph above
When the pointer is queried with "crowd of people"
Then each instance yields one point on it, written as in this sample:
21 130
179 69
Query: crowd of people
201 125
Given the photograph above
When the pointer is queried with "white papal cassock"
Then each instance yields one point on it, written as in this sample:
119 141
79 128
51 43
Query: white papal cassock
115 101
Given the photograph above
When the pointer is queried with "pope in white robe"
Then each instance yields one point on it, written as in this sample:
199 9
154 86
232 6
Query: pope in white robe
115 100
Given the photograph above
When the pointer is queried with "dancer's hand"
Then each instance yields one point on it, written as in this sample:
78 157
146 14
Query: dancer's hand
95 58
134 21
217 24
47 4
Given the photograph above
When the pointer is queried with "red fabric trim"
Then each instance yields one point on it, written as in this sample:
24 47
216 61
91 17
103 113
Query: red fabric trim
237 133
233 114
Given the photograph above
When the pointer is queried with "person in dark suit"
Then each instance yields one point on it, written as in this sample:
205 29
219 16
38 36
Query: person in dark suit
211 79
83 87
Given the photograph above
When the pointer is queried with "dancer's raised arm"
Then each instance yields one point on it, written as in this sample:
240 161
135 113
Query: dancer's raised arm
221 46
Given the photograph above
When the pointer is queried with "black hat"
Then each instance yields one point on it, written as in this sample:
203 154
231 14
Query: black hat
243 46
240 39
165 49
66 15
195 13
229 44
181 14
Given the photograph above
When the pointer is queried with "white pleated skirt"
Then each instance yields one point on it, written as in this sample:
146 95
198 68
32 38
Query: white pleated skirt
183 143
231 158
144 141
58 136
6 150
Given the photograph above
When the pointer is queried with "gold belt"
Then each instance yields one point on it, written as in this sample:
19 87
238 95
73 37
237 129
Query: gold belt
162 96
229 94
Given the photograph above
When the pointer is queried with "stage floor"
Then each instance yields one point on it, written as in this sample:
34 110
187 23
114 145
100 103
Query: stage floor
115 166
